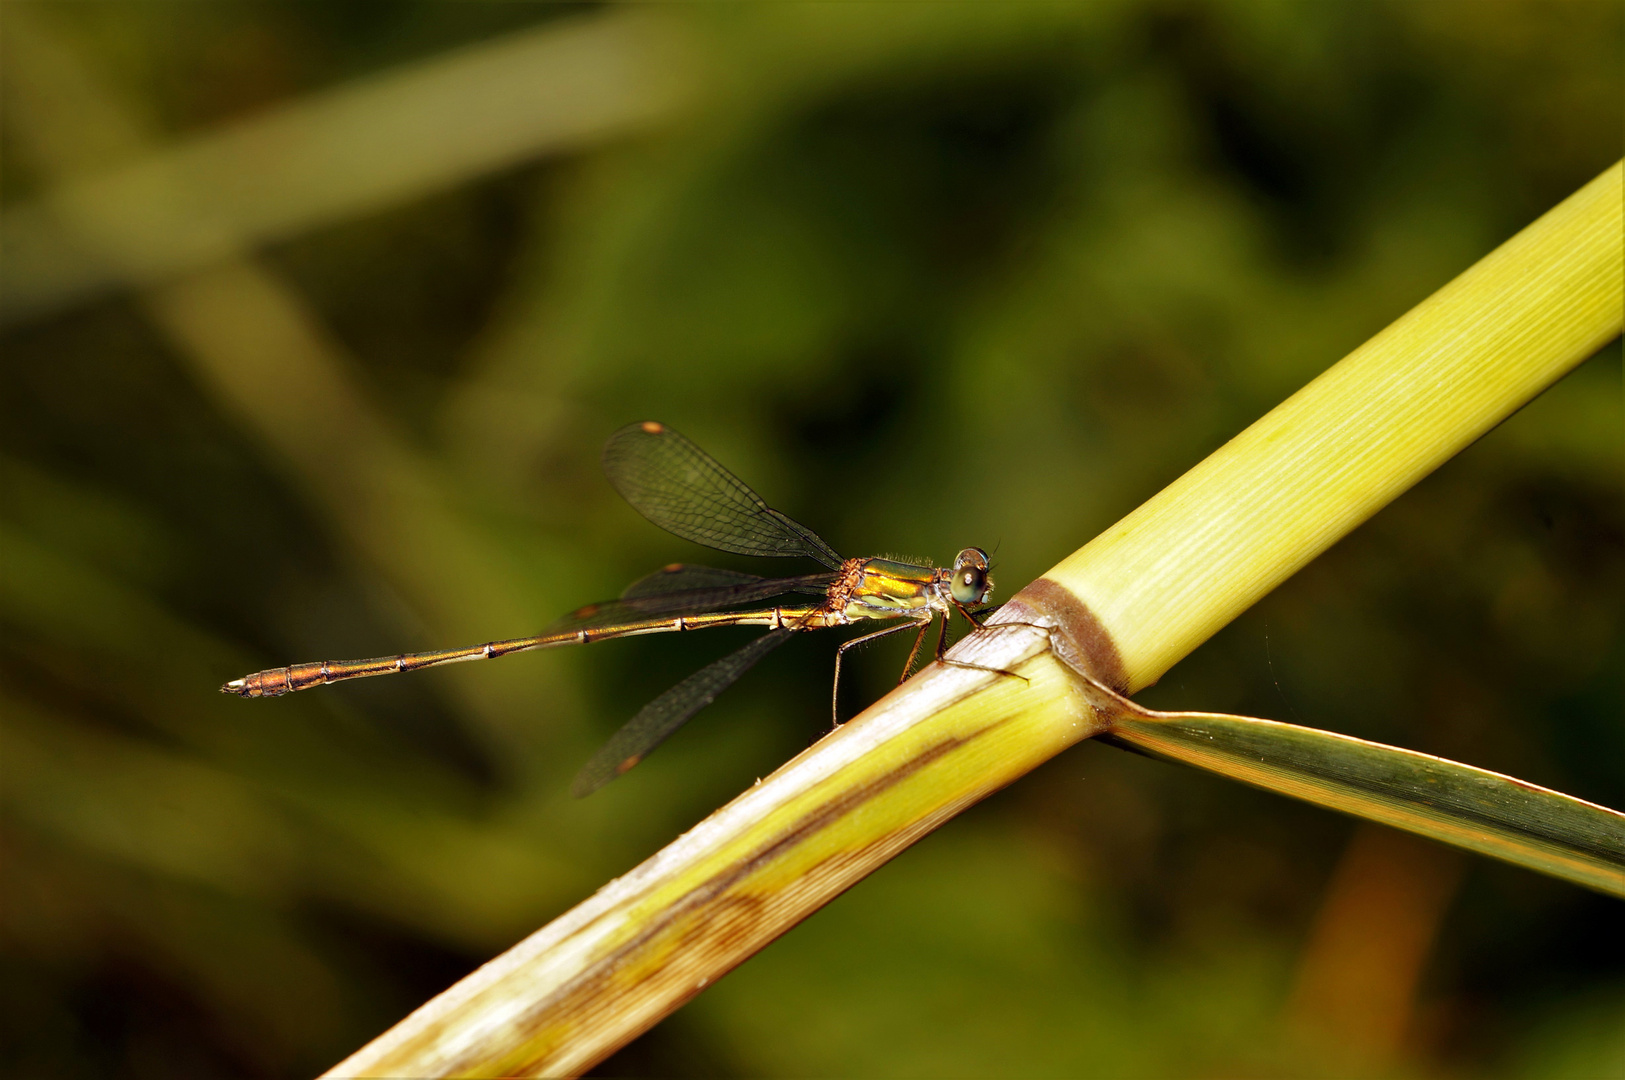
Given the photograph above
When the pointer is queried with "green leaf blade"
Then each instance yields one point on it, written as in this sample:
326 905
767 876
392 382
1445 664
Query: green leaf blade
1456 804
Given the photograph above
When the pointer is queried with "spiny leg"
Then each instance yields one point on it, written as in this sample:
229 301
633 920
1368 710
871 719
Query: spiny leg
965 611
970 617
835 692
942 644
912 653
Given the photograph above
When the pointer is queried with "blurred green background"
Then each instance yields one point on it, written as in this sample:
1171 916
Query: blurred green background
926 275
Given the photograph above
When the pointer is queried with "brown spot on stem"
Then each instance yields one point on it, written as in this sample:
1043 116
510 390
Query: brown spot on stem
1078 639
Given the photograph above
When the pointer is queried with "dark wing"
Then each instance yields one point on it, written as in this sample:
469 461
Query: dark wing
729 587
683 577
670 711
686 590
682 489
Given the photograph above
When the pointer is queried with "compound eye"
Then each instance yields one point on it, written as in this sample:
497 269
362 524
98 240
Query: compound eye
970 584
970 557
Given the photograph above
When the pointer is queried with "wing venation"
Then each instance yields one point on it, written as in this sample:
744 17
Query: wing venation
685 491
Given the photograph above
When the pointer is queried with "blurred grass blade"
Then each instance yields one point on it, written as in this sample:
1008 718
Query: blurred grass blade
1456 804
334 156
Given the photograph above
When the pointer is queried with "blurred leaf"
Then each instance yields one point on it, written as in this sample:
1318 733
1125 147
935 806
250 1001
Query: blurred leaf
233 808
348 152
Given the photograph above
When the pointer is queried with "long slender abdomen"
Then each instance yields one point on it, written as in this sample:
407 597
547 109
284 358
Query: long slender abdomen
274 682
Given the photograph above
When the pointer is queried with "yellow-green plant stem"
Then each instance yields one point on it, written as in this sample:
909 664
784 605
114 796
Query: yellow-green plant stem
1152 588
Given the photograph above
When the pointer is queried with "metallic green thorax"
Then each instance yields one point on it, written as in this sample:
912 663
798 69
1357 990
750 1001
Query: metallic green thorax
891 587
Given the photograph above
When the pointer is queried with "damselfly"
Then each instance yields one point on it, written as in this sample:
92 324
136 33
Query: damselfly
682 489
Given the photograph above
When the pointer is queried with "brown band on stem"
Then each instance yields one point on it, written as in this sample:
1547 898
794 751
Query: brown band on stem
1077 638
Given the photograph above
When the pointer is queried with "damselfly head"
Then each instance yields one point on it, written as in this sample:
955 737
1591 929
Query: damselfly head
971 583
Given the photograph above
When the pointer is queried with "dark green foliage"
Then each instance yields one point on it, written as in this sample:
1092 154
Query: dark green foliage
1027 264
